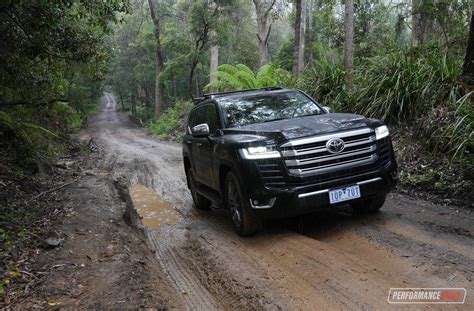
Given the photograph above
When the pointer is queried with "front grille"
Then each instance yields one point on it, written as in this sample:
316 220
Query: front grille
271 174
309 156
384 151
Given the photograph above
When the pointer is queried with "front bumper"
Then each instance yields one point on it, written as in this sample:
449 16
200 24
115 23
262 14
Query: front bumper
308 198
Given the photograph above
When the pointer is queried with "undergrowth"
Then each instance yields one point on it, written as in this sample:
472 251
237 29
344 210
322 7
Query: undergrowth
170 125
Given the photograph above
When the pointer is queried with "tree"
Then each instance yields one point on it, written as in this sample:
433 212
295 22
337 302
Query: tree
214 59
349 42
298 52
468 67
309 40
42 41
264 27
160 103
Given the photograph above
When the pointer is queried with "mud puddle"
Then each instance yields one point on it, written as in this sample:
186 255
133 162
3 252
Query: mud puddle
153 210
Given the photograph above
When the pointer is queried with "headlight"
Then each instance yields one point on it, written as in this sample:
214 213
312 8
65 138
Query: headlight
262 152
381 132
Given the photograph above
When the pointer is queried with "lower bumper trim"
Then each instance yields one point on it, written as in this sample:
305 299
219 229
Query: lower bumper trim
308 194
270 204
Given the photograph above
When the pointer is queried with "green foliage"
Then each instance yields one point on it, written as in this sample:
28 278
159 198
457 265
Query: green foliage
54 56
171 123
418 85
240 77
44 40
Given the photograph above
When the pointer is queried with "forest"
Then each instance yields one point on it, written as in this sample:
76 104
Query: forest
408 62
70 234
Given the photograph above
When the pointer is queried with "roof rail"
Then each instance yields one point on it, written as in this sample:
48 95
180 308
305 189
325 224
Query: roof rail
197 100
268 88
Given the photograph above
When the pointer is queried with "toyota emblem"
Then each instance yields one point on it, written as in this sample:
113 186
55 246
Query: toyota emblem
335 145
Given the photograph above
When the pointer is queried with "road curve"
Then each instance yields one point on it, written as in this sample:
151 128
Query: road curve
342 261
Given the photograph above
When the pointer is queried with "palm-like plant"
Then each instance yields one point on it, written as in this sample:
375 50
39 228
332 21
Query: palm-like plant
240 77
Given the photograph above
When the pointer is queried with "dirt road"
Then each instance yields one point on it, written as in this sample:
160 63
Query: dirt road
343 261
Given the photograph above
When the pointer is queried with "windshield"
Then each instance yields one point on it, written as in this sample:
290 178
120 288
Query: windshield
267 107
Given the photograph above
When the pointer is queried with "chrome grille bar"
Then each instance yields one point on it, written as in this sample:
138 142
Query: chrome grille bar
306 151
331 157
310 140
360 149
333 167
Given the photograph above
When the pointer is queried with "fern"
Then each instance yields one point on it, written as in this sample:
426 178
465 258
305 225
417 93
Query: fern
240 77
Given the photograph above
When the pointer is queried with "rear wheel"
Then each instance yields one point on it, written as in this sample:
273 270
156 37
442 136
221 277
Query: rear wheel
200 202
245 222
370 206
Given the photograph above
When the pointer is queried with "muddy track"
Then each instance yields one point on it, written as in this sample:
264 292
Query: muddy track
342 261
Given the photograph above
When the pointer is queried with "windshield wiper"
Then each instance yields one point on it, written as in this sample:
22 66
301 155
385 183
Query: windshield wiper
278 119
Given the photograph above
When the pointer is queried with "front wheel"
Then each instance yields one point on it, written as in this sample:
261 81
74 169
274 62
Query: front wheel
245 222
200 202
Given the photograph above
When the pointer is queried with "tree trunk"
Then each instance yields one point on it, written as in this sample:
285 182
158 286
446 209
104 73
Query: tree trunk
160 103
214 60
121 99
349 42
310 34
298 53
134 101
417 29
468 67
263 8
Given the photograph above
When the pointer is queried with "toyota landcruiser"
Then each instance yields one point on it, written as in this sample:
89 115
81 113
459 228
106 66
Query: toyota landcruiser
276 152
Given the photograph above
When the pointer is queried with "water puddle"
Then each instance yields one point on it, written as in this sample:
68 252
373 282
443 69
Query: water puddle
153 210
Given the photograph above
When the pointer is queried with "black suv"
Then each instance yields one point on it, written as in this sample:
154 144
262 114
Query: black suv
276 152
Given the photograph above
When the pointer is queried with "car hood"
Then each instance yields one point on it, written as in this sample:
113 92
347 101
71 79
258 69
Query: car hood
302 126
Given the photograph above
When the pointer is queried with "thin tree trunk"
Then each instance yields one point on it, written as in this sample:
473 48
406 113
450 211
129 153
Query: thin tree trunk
121 99
160 103
298 53
349 42
310 34
214 60
263 9
468 67
134 101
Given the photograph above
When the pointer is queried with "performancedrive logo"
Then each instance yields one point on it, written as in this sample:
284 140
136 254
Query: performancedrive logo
426 295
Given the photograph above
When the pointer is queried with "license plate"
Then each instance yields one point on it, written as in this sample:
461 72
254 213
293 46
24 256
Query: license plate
344 194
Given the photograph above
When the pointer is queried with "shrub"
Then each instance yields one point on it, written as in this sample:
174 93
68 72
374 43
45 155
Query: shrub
417 86
170 125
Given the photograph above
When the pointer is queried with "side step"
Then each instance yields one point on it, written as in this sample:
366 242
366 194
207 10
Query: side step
211 195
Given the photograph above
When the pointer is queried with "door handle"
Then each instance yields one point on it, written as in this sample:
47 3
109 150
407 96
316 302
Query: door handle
199 144
188 142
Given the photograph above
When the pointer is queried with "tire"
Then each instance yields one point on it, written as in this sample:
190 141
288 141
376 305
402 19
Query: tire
244 221
370 206
200 202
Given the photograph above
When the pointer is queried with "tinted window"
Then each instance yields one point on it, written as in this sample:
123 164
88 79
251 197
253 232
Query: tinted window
205 114
267 107
197 117
210 115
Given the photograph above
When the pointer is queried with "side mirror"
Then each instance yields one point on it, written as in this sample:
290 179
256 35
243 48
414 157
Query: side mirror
327 109
200 130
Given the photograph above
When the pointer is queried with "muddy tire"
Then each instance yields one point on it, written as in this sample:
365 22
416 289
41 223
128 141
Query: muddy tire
244 221
370 206
200 202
